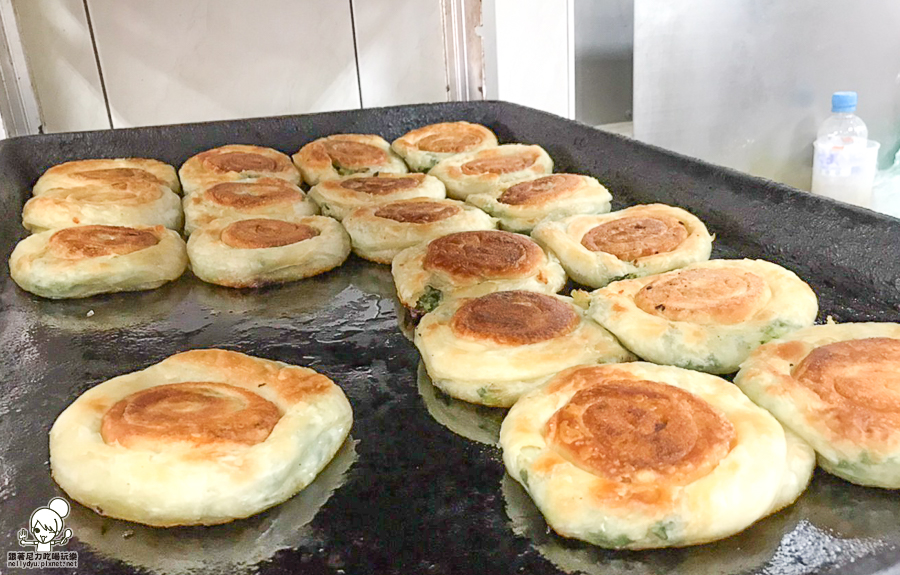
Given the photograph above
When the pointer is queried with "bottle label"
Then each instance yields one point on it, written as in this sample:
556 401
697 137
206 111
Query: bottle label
839 160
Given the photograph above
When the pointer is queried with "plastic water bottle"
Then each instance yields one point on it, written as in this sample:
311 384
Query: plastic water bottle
843 124
845 160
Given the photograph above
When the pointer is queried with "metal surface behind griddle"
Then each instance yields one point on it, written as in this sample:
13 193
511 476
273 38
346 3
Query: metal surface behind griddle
418 498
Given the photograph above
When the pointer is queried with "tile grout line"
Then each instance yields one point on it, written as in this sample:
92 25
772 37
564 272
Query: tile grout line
87 14
355 54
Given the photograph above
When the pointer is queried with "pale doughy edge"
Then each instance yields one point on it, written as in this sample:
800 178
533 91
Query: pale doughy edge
52 211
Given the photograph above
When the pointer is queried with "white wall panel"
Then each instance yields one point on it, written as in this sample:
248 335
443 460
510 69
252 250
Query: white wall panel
529 53
170 61
746 84
401 51
57 44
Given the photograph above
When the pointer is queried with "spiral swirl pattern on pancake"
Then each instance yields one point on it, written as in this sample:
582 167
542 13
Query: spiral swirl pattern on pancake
540 190
489 254
639 431
248 195
266 233
352 154
96 241
718 295
451 138
125 192
514 318
381 186
633 237
229 161
859 381
500 164
417 212
110 175
198 413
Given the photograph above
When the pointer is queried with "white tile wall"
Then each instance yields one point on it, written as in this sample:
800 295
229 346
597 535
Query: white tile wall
401 51
61 59
171 61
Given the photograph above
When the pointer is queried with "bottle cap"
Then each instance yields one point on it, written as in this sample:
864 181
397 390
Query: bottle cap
843 102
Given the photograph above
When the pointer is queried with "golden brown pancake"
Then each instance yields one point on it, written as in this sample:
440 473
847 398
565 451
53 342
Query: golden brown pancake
718 295
424 147
638 431
202 438
514 318
99 172
253 194
638 456
220 160
110 175
859 381
382 185
350 154
450 138
417 212
199 413
127 192
489 254
634 237
266 233
500 164
96 241
540 190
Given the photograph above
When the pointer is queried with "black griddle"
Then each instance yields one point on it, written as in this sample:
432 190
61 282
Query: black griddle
408 494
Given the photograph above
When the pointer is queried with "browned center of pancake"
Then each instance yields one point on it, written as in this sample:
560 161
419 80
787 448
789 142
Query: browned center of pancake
539 190
248 195
711 295
241 161
483 254
514 318
196 412
450 138
118 174
636 237
95 241
265 233
859 382
354 154
639 431
497 163
381 186
121 192
417 212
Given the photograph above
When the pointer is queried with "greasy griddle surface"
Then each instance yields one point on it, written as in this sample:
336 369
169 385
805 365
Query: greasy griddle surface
410 495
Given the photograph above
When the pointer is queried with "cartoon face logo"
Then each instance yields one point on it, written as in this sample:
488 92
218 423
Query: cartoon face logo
47 526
